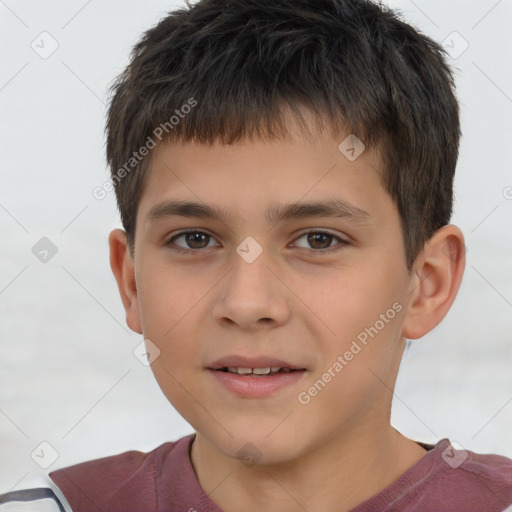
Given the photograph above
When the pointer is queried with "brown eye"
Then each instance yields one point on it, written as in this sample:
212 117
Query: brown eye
197 240
191 240
320 242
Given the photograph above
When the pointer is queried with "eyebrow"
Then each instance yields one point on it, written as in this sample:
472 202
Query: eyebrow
274 213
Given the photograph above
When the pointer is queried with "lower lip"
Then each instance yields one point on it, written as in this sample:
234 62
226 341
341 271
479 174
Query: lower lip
256 386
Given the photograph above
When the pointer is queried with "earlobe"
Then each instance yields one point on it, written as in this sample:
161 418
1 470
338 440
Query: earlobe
123 269
436 281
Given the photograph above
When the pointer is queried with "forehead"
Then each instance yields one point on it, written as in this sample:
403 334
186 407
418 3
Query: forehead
276 180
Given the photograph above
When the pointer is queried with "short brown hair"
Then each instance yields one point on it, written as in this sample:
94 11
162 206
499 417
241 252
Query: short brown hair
240 63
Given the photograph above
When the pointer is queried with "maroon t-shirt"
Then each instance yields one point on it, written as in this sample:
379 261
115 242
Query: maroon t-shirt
163 480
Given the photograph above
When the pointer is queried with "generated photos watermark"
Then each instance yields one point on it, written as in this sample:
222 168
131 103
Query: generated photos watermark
352 147
305 397
44 455
454 454
101 191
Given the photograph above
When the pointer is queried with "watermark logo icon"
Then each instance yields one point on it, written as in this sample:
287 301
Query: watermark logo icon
249 454
454 455
455 45
249 250
45 45
44 455
146 352
352 147
44 250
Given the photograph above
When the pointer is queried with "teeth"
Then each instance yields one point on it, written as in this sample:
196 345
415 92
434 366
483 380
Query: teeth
257 371
261 371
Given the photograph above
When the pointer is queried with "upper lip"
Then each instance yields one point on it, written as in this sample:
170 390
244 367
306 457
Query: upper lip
251 362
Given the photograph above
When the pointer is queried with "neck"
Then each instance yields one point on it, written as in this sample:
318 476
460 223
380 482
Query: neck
365 464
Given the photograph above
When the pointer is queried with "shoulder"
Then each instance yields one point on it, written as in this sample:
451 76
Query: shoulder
119 482
126 481
473 480
489 472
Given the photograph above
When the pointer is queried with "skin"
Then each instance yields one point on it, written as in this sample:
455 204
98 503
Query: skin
339 449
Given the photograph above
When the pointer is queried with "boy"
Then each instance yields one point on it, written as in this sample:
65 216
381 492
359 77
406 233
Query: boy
242 137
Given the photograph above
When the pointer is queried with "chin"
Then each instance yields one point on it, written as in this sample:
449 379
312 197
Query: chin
261 446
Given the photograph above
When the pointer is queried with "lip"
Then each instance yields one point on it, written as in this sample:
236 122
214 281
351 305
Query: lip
251 362
256 386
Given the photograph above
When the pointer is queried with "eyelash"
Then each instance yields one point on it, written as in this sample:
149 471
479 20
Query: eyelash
342 243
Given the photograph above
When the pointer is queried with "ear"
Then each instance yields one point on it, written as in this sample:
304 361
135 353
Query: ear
436 278
122 266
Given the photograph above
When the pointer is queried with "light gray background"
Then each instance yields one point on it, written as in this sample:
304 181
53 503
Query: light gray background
67 373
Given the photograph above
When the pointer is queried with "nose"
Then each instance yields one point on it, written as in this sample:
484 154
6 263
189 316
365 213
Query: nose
251 296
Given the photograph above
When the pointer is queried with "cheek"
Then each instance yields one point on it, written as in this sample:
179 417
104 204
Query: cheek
165 297
362 309
167 307
346 301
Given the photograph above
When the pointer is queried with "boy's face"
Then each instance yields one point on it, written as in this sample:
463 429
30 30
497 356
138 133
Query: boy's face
295 301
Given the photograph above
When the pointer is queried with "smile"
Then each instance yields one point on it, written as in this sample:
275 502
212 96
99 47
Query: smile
269 370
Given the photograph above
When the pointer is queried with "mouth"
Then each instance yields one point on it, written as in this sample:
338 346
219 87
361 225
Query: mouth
261 366
258 372
257 380
256 377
